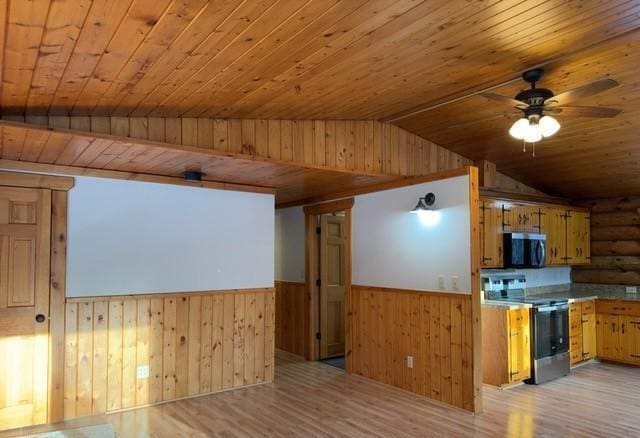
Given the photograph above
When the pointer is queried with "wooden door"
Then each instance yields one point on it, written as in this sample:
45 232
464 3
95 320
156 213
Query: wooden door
553 224
607 334
491 234
332 310
578 237
519 348
25 227
588 330
630 339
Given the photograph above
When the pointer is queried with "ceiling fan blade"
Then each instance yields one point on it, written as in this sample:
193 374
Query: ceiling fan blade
582 92
481 119
587 111
504 99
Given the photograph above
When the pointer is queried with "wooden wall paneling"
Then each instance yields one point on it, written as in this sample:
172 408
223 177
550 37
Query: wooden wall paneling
114 362
475 306
292 325
156 342
217 339
434 328
100 357
205 344
228 353
143 332
70 360
182 346
269 338
249 339
238 340
129 344
194 333
169 349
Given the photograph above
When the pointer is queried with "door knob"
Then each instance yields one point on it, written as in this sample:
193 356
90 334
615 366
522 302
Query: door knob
40 318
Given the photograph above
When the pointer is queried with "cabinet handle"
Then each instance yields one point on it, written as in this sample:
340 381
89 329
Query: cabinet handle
613 327
623 328
634 322
635 355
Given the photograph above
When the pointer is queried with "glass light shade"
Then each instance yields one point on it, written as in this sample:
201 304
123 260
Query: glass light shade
533 134
519 128
429 218
548 126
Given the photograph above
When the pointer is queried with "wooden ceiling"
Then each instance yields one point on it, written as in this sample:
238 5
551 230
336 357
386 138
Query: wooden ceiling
350 59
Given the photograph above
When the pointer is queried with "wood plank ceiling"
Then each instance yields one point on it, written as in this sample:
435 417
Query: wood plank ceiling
333 59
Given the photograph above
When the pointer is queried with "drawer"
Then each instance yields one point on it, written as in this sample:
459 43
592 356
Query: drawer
574 310
611 307
575 343
588 307
575 357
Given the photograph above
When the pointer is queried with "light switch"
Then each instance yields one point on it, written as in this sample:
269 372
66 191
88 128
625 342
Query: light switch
409 361
441 282
455 283
142 372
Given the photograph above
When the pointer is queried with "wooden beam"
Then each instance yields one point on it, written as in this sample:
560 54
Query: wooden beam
57 303
329 207
117 174
476 310
401 182
17 179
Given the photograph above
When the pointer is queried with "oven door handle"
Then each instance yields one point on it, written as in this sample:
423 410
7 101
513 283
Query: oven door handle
553 308
540 250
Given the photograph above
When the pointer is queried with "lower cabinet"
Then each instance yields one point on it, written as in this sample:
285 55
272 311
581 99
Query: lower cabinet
582 331
506 345
618 331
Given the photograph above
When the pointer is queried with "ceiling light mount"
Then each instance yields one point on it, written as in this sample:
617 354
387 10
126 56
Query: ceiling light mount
193 175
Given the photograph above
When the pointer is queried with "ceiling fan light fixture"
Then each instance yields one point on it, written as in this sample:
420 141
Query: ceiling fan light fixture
519 128
532 133
548 126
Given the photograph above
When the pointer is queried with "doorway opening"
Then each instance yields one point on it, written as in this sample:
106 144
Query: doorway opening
328 262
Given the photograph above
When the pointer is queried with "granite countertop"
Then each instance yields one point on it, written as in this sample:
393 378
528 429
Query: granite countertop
505 304
577 296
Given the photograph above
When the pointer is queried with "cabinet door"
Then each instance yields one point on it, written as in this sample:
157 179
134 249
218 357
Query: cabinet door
553 224
578 237
492 236
519 345
520 217
588 335
575 333
630 339
607 334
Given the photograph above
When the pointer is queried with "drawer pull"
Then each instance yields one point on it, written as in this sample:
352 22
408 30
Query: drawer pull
637 356
634 322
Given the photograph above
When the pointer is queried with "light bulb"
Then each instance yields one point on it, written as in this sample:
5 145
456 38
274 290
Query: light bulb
519 128
532 134
548 126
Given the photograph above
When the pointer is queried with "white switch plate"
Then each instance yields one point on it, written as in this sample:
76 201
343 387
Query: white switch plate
142 372
455 282
632 290
409 361
441 282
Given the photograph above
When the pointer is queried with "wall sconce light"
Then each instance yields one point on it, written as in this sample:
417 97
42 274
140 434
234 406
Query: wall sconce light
425 211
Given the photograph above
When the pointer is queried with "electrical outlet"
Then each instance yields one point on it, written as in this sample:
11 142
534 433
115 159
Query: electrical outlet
632 290
441 282
455 283
142 372
409 361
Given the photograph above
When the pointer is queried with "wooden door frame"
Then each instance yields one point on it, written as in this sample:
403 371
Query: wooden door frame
59 186
312 212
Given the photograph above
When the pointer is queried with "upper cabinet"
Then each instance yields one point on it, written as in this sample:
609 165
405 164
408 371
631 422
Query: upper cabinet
567 230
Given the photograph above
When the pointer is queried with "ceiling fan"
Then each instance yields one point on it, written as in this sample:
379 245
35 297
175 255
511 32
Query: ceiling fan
536 104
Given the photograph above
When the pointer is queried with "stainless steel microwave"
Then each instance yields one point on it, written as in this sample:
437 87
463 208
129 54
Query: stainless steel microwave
525 250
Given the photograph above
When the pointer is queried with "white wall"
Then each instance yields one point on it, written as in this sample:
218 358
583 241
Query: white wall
392 248
129 237
290 257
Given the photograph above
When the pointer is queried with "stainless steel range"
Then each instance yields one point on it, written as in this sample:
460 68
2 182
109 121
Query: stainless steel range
549 326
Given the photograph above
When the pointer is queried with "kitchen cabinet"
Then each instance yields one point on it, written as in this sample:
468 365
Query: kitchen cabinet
491 233
553 224
567 230
618 331
578 237
582 331
506 343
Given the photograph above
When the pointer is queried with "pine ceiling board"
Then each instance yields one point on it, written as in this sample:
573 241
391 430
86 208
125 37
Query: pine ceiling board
202 28
61 30
139 21
233 26
457 63
101 23
587 157
173 23
25 25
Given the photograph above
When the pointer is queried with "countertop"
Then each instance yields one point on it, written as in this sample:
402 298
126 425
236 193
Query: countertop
576 296
505 304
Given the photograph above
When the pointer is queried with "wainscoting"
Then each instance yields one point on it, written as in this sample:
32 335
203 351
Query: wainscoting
187 343
388 325
292 318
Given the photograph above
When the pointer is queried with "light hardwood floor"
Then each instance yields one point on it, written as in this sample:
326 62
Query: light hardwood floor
313 399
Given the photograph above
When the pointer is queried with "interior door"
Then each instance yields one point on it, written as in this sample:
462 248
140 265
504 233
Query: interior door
25 227
331 286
